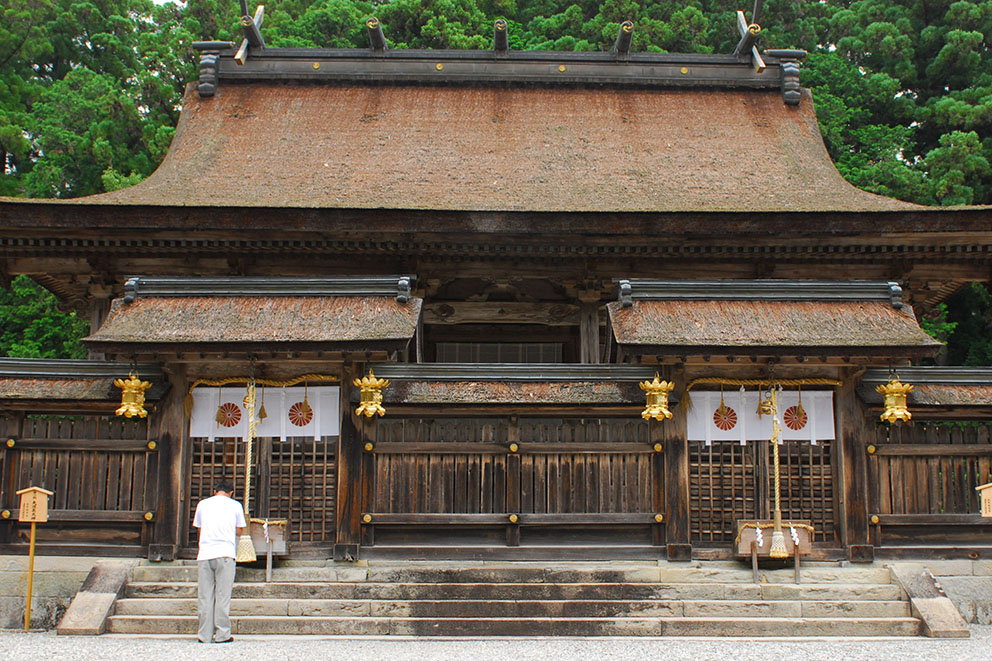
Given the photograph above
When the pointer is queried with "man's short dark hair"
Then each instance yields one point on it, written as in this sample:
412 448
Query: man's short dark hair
225 485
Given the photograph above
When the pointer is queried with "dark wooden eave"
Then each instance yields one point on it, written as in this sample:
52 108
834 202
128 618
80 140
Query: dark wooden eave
41 384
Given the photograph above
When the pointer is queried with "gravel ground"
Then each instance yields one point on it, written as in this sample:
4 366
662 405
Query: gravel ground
48 646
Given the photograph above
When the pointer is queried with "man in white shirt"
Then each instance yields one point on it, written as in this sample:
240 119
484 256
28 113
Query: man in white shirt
221 520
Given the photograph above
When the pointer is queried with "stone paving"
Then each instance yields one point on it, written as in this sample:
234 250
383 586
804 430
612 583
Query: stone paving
48 646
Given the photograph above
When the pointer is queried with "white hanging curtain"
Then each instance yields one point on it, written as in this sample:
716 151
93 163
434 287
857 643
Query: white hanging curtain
739 420
220 412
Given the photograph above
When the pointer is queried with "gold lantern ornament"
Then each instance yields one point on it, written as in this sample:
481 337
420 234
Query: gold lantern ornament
656 394
371 395
132 396
895 400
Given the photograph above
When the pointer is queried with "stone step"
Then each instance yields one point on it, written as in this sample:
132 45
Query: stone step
538 626
535 591
633 573
524 608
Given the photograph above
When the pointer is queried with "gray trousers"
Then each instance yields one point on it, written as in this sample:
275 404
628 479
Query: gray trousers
216 580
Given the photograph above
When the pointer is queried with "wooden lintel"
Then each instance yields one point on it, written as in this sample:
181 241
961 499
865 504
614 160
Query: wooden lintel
548 314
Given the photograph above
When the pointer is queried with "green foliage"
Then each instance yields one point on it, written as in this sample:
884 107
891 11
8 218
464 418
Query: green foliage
33 327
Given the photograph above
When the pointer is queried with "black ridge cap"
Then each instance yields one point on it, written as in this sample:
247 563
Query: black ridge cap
958 376
758 290
164 286
513 372
47 368
455 55
424 66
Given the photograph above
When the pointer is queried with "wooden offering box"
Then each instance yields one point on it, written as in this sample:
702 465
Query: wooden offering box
747 541
746 534
278 537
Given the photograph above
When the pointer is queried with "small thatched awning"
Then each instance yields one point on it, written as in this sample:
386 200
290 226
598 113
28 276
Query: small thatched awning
333 323
803 319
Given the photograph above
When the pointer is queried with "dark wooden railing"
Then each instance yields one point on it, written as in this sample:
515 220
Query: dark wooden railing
512 472
103 472
923 477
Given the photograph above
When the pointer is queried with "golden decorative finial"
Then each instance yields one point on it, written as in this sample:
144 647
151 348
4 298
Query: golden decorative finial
895 400
371 395
657 398
132 396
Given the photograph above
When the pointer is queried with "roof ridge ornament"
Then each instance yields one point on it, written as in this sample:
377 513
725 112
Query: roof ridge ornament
377 38
252 29
625 35
746 48
501 37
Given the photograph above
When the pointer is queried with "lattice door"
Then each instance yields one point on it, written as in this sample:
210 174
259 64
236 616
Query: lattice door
728 481
292 479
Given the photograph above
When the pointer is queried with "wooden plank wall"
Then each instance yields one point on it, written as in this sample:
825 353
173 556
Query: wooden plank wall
726 483
923 477
103 475
463 466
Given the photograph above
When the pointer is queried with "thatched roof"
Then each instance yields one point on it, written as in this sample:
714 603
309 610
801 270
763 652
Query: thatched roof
803 327
457 148
320 322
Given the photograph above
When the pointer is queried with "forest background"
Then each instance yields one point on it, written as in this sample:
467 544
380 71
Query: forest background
90 93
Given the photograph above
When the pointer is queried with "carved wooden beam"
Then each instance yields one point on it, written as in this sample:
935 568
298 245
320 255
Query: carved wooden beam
547 314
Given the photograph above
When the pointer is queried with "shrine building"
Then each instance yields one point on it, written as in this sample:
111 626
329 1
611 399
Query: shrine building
500 304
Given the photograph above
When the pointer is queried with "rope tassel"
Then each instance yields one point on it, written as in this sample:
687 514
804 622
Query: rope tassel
778 548
246 547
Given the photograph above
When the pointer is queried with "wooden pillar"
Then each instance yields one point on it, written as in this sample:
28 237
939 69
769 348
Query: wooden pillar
10 427
98 307
589 327
349 472
657 436
168 430
677 480
513 486
855 434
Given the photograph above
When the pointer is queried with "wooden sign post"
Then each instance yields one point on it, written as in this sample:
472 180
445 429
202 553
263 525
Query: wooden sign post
986 494
34 508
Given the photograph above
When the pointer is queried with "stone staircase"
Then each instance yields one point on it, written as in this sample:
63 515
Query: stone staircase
528 599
